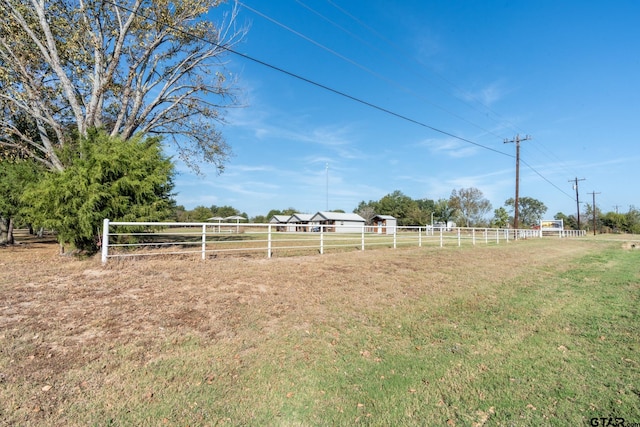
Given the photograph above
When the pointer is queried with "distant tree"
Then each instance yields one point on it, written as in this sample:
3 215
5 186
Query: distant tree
570 222
200 214
590 212
105 177
470 205
444 211
284 212
365 211
224 211
530 210
426 208
632 220
397 205
15 174
260 219
500 217
613 222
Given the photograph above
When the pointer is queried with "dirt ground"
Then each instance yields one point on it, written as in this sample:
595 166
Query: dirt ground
58 313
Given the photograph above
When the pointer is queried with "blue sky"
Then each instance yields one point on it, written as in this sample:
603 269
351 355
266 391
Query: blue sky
455 78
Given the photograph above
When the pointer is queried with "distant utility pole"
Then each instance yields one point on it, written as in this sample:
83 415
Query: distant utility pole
575 186
517 140
594 211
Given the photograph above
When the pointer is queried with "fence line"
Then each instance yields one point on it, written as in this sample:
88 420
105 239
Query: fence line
130 239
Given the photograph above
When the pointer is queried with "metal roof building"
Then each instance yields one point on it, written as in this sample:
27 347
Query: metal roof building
339 222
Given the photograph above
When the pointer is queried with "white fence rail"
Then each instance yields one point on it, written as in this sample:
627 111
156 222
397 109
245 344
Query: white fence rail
134 239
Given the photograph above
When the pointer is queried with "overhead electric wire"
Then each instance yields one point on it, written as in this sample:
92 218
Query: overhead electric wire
357 64
541 176
501 120
313 82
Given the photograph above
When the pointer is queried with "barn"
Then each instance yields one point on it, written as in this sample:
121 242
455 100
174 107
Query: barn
300 222
384 224
280 221
339 222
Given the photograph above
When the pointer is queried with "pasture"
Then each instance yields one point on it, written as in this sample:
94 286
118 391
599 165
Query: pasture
532 332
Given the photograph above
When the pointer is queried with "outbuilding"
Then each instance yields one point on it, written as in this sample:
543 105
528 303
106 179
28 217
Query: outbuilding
280 222
339 222
384 224
300 222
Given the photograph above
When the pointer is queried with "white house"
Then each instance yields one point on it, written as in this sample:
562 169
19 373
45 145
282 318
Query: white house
384 224
339 222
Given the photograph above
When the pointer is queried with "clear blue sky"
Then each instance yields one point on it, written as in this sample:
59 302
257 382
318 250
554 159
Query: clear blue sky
565 72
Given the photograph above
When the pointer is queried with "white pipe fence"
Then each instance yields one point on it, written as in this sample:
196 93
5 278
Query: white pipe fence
133 239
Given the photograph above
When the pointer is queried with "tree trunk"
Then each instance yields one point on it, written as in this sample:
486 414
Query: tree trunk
6 231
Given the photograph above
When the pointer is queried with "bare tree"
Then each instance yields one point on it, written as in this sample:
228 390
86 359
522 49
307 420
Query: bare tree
132 66
470 205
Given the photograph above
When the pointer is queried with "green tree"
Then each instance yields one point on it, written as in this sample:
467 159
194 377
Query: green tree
570 222
132 66
225 211
613 222
593 216
500 217
285 212
14 175
444 211
106 177
470 205
397 205
260 219
632 221
530 210
200 214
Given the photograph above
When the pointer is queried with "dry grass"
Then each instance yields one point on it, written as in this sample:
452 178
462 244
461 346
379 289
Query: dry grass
70 329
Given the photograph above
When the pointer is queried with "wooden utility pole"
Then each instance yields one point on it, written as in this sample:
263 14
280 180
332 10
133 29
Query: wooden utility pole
517 140
575 186
594 211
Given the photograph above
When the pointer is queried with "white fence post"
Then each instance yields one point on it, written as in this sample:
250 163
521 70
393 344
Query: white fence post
362 244
395 233
440 236
419 237
473 236
269 241
105 240
458 236
204 241
322 239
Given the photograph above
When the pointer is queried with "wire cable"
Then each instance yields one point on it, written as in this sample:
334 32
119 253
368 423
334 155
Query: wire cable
313 82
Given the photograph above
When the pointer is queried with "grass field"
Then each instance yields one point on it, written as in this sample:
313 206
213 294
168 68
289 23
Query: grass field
534 332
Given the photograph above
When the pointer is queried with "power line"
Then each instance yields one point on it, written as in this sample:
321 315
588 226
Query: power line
313 82
357 64
334 91
402 52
